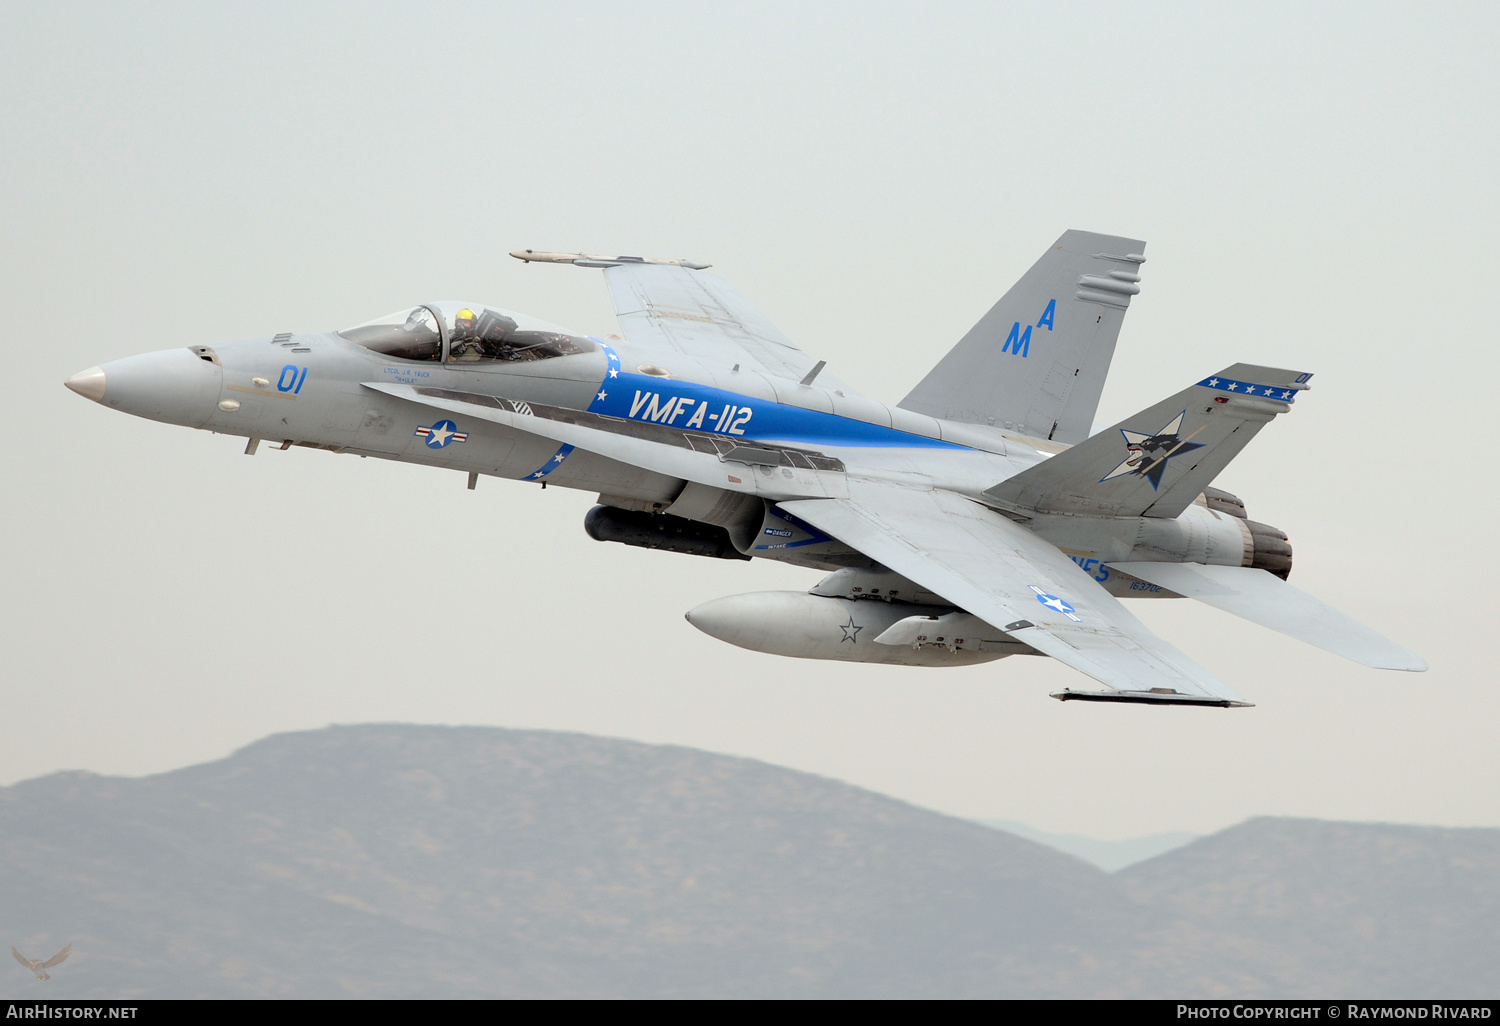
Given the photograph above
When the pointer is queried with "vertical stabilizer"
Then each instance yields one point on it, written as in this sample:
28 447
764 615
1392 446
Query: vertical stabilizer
1036 362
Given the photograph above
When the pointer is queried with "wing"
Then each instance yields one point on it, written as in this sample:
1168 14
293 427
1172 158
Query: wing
21 958
699 315
1004 574
60 957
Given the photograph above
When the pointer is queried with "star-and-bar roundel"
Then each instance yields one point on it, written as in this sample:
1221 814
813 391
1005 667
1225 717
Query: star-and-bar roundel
439 435
1056 604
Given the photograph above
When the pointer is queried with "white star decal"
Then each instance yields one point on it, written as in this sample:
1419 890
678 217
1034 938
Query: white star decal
1053 602
1213 382
440 435
614 373
600 397
559 457
1232 386
1285 395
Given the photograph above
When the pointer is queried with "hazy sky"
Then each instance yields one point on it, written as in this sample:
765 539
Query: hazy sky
1317 185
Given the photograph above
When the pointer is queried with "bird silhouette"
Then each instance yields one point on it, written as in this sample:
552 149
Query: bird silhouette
39 967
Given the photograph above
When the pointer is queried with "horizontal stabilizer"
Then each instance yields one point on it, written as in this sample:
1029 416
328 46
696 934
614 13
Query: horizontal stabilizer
1157 462
1266 599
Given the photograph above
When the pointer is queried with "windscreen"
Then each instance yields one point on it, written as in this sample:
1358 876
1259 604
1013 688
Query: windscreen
475 334
406 334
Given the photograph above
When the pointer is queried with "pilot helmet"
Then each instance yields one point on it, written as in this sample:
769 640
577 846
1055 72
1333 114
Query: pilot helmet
464 319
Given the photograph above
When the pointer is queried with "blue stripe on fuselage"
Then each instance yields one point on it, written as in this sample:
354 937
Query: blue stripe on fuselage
694 407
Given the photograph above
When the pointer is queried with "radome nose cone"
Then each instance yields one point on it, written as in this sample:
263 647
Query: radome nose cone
88 383
174 386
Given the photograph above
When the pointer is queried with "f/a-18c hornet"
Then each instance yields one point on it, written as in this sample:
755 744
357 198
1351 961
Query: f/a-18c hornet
976 519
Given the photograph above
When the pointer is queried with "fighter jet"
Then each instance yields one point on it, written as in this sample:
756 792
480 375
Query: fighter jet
976 519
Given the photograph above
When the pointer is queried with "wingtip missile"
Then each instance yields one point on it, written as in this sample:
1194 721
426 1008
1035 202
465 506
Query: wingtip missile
592 260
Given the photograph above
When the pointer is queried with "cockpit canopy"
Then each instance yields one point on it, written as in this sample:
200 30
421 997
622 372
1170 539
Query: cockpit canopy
465 333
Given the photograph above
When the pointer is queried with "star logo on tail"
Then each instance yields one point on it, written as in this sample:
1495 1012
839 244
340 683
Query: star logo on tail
1146 455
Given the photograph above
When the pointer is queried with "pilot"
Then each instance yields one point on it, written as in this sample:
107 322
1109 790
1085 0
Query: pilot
465 344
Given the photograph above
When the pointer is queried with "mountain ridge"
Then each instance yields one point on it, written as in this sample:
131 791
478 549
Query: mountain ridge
396 860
